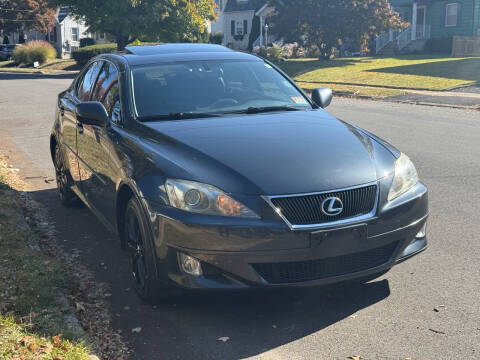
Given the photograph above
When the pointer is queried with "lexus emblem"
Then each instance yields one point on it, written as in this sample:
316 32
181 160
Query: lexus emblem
332 206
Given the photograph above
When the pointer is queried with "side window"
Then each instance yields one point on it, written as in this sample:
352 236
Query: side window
108 76
107 91
85 85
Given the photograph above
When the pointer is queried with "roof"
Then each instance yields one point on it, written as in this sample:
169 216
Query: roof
245 5
63 13
143 55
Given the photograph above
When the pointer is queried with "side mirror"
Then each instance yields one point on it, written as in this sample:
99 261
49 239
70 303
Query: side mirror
322 97
92 113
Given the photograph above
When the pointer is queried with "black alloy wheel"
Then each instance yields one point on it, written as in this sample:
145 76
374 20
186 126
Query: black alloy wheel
139 244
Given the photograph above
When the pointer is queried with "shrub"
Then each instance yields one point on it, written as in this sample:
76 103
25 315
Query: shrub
86 42
440 45
34 51
216 38
83 55
272 53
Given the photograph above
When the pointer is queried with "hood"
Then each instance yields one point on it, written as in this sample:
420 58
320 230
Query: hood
274 153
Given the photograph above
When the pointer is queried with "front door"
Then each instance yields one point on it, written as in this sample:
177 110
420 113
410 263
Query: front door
96 151
421 20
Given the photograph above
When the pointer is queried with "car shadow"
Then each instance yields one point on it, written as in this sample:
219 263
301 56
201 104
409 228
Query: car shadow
252 322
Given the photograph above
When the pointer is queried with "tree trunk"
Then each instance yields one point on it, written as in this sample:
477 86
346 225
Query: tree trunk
121 42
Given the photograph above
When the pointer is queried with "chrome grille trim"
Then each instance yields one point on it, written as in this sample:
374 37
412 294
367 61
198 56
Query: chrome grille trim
369 216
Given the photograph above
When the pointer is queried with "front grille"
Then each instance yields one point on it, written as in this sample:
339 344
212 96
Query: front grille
292 272
307 209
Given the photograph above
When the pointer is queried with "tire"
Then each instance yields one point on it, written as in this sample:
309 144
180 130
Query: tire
64 180
139 244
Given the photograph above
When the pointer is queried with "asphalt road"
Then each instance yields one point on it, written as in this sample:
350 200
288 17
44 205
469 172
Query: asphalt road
425 308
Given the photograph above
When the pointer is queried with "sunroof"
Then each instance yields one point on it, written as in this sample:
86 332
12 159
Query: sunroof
174 49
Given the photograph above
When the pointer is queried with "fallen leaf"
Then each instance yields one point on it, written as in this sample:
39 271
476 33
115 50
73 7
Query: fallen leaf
353 316
56 340
136 330
79 307
355 357
274 326
223 339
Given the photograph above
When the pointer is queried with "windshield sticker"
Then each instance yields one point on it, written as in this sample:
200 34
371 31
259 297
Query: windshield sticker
299 100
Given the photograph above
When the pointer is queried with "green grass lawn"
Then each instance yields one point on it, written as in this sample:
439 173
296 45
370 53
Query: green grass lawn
32 318
426 72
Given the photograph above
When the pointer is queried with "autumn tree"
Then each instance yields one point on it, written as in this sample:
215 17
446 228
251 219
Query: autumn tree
26 15
326 23
160 20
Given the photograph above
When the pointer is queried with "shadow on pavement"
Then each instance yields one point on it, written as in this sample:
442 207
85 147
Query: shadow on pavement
189 326
33 76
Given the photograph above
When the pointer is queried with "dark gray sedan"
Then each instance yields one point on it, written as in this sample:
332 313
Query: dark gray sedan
218 172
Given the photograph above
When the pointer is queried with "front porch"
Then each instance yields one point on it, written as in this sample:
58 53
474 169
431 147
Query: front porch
415 13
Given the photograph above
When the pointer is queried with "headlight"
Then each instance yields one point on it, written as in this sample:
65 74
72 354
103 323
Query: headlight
204 199
405 177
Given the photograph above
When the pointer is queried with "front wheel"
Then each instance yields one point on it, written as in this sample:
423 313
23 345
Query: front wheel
142 256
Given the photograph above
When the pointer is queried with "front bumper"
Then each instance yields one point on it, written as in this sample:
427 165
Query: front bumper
266 253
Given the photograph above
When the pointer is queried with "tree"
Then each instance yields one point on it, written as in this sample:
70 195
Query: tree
26 15
156 20
325 23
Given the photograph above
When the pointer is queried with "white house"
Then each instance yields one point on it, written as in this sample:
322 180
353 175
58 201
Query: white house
65 35
236 21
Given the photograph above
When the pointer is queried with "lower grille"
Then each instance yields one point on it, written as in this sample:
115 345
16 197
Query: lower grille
291 272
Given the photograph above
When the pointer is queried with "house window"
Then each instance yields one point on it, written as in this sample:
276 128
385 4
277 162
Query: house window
239 28
100 36
451 14
74 34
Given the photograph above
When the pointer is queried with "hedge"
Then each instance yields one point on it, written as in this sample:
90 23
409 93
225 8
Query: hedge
83 55
34 51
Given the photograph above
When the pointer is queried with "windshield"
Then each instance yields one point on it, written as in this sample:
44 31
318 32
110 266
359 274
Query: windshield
212 88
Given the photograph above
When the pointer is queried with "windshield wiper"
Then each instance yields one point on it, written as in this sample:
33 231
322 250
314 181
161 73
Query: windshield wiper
177 116
258 110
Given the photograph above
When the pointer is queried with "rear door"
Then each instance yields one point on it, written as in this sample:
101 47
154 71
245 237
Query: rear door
96 147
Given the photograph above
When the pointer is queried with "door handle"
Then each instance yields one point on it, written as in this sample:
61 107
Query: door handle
79 127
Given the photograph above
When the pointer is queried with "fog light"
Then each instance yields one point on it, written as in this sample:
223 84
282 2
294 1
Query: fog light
190 265
423 232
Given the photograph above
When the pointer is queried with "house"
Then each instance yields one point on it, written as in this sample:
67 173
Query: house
68 31
431 19
243 22
65 35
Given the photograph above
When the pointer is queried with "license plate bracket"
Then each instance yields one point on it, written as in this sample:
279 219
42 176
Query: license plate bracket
341 240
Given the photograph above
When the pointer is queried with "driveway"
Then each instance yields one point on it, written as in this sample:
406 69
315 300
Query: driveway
425 308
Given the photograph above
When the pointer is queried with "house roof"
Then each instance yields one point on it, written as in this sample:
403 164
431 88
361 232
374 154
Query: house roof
244 5
63 13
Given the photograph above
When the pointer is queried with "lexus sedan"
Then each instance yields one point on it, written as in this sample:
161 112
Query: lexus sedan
217 172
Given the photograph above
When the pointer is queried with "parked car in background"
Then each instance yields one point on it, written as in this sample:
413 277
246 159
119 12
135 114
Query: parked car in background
218 172
6 51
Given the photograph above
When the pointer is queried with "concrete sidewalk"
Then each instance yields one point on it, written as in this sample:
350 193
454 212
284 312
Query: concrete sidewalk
468 97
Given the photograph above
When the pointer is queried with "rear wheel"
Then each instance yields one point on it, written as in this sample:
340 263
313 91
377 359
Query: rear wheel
142 256
64 180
